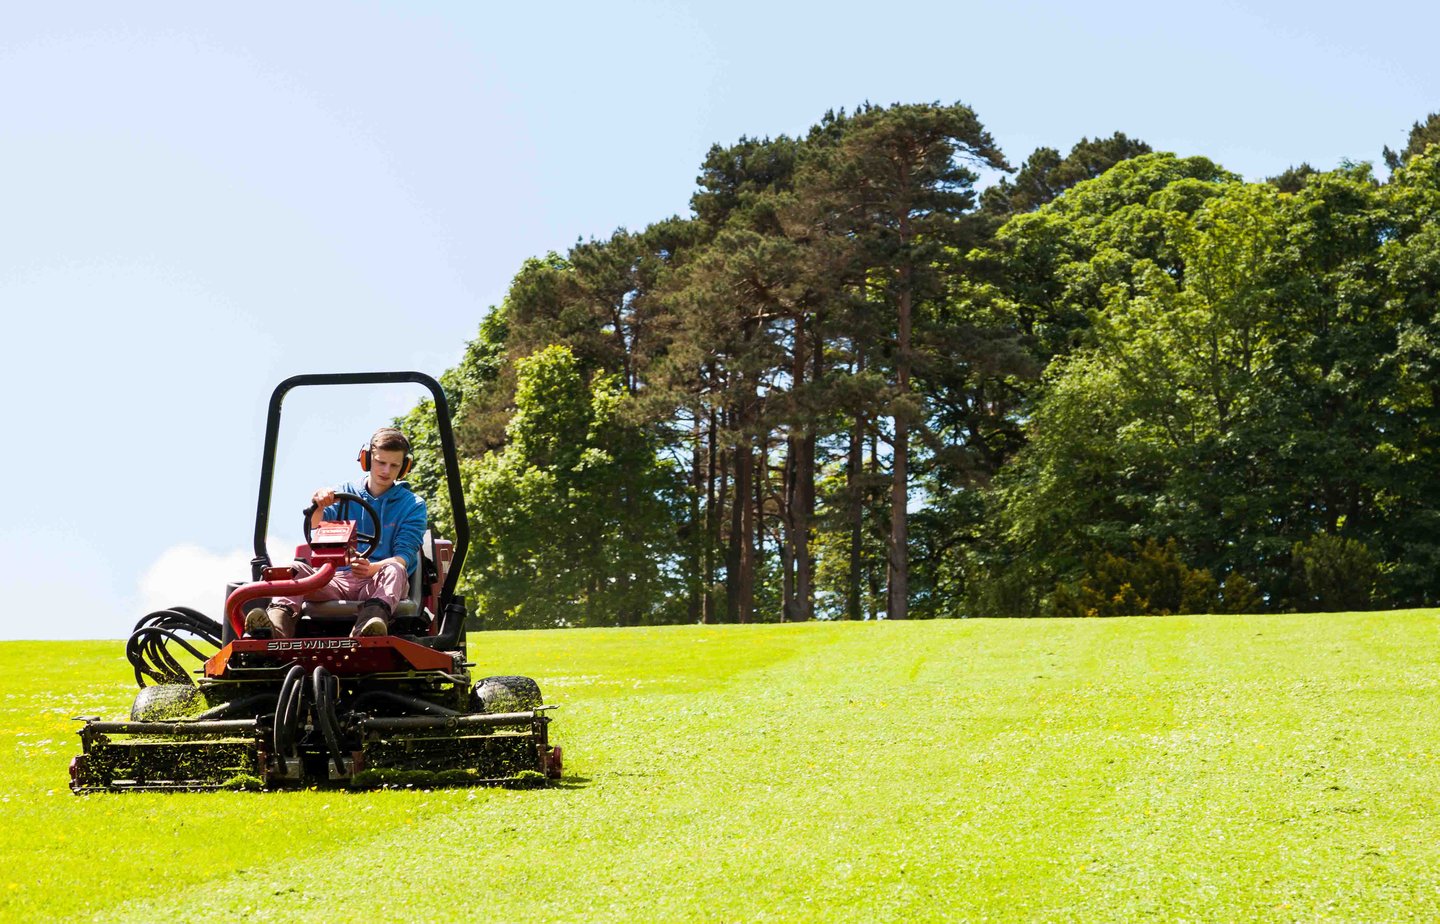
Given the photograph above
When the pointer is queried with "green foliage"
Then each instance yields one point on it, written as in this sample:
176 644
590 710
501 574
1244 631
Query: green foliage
1333 573
832 546
1062 264
1150 581
1239 594
1293 179
469 390
731 178
1234 365
895 192
569 522
1045 175
841 356
1422 135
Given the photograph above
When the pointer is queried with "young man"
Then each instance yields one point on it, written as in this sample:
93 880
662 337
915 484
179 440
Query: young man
380 580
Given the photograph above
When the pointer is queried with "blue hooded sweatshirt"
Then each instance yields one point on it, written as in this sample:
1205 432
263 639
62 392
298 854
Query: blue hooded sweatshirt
403 519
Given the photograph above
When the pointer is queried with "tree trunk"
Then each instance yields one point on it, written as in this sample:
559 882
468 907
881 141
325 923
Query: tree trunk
873 574
742 598
897 603
854 472
788 608
698 533
791 516
762 485
804 516
805 481
898 586
712 525
728 486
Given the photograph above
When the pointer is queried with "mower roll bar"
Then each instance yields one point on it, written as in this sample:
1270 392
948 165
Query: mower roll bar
261 561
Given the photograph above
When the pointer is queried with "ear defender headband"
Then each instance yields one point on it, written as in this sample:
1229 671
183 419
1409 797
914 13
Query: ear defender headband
366 452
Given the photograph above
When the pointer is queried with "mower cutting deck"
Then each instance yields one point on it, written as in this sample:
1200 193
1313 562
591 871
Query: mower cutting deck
322 708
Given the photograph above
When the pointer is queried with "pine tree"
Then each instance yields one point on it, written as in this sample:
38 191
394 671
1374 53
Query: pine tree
897 184
1422 135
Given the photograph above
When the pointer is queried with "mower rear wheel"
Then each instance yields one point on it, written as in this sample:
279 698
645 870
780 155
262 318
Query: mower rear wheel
165 702
506 694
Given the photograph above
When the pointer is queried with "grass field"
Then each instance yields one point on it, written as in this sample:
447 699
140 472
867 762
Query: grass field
1190 768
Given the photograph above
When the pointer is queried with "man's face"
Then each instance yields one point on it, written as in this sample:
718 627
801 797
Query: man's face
385 468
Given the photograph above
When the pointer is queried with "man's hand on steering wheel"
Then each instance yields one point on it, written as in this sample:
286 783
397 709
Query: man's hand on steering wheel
321 499
365 543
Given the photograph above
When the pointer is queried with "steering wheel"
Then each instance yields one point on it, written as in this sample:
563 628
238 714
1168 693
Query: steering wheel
365 543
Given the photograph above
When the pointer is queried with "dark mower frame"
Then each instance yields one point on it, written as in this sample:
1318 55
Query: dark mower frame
322 708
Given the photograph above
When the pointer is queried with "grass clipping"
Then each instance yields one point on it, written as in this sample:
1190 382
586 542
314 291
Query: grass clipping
437 779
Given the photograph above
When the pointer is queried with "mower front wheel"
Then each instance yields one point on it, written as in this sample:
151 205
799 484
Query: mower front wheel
505 694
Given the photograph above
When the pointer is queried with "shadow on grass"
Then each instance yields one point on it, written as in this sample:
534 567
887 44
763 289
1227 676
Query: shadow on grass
573 782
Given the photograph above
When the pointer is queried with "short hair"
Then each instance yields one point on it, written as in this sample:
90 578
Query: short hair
389 439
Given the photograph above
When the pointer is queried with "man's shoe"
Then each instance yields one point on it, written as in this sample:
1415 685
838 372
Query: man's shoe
258 625
371 627
371 618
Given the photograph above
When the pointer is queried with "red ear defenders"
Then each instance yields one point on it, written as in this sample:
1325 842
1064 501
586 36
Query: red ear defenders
364 459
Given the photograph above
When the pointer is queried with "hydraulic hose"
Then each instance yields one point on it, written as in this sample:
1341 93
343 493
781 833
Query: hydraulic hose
293 587
147 648
287 713
325 687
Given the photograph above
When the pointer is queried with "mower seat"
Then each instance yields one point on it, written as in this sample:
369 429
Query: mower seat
335 609
409 617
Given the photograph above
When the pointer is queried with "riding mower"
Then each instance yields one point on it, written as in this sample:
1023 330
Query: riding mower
322 708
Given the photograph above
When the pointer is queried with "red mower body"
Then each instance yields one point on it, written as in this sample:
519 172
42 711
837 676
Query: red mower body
323 708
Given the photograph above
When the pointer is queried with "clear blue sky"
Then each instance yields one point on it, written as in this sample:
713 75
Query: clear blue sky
198 200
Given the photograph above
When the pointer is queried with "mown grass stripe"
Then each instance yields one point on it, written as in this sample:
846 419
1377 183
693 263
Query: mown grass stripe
1215 768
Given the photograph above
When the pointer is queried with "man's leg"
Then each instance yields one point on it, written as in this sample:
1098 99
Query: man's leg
389 585
284 612
379 595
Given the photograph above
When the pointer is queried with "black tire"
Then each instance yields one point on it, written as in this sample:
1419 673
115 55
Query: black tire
506 694
166 702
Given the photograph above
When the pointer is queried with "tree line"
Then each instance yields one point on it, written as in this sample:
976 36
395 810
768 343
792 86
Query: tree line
850 385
